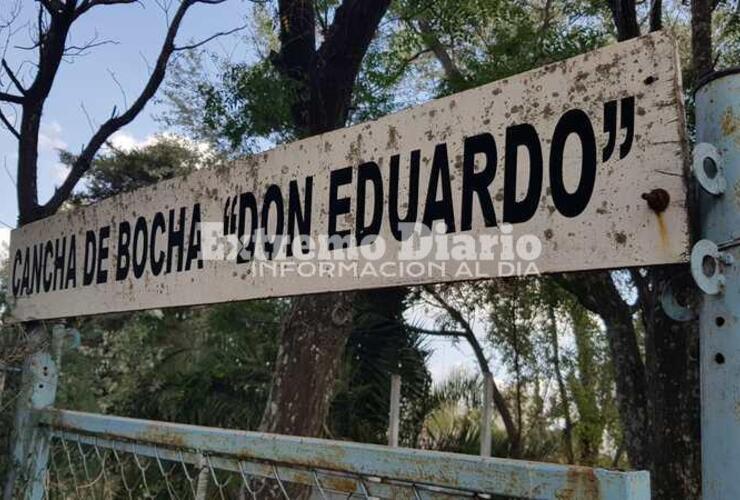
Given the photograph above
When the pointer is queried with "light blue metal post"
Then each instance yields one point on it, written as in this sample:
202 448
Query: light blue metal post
30 452
715 263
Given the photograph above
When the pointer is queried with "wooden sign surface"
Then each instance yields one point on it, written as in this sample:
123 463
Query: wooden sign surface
542 172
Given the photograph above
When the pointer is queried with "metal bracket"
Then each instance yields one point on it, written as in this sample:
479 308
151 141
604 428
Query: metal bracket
672 308
706 266
708 170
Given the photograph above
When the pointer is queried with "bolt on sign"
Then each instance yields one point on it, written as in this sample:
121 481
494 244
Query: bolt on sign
573 166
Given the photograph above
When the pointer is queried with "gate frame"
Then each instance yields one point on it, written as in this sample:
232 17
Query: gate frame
298 458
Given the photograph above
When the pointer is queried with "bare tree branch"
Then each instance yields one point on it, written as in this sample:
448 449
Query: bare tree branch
13 77
498 398
89 4
116 122
9 125
81 50
15 99
460 319
452 72
436 333
211 38
7 171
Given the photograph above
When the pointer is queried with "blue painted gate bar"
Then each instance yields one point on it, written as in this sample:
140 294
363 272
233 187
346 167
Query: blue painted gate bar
376 463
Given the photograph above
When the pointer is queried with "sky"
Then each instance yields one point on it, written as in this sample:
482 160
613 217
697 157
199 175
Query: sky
87 86
137 32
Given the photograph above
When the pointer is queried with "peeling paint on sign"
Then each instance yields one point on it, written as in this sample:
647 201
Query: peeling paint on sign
579 163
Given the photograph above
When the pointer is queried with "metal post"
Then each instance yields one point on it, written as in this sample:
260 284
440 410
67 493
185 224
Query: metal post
715 265
202 486
487 416
394 416
30 443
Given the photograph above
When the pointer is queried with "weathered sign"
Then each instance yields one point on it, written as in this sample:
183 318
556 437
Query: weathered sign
577 165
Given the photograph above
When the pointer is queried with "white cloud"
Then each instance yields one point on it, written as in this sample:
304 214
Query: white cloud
4 243
50 137
127 142
59 171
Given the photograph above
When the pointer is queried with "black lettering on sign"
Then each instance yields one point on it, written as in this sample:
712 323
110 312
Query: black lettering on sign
574 122
18 259
194 241
122 253
139 248
413 197
441 209
478 182
71 280
522 136
25 279
247 201
628 122
338 206
368 174
91 258
273 197
48 275
298 218
175 239
35 283
102 275
627 110
157 258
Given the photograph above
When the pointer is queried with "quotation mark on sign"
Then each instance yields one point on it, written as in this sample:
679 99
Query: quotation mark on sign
627 114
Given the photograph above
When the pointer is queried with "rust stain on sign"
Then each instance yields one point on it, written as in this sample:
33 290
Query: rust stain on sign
555 160
581 484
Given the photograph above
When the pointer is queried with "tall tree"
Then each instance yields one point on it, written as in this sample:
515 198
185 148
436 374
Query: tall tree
658 397
315 332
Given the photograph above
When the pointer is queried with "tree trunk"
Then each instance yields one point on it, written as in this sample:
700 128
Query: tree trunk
597 293
312 342
316 330
701 37
564 400
591 423
672 351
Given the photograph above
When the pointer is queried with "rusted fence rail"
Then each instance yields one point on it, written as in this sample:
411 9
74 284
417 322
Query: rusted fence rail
69 454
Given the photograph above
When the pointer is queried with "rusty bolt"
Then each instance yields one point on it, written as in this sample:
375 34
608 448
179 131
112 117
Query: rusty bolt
657 200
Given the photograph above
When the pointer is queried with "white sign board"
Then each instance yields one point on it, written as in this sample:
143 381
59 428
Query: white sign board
542 172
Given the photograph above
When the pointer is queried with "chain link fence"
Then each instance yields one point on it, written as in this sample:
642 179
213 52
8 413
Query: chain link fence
62 454
88 467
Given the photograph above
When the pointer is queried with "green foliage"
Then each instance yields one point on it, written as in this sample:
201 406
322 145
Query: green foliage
118 171
208 366
381 345
488 40
250 101
454 423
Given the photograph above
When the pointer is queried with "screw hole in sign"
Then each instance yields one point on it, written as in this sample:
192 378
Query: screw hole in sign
710 167
709 266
